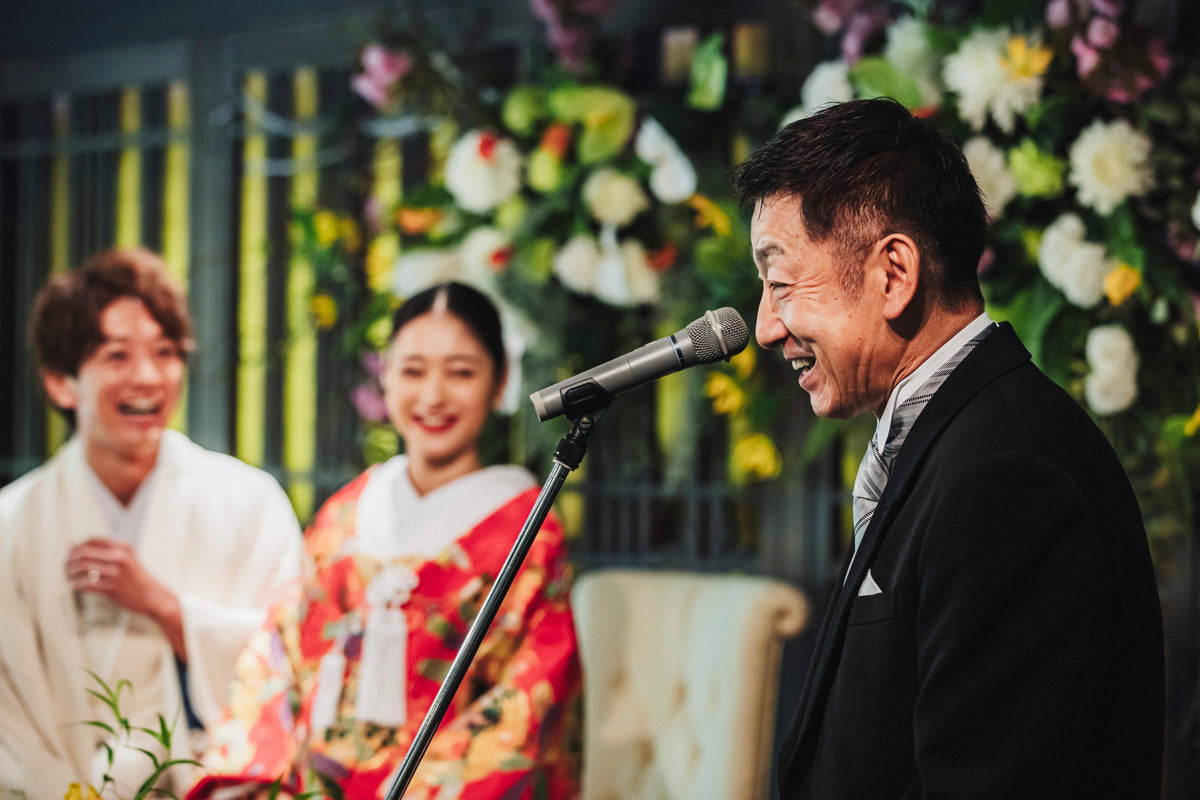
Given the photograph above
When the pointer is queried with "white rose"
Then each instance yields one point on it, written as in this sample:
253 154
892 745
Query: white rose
995 181
1110 162
1111 384
575 264
614 198
1071 264
1110 348
1109 393
482 171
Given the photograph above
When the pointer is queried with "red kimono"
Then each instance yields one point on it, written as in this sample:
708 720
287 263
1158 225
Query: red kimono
513 728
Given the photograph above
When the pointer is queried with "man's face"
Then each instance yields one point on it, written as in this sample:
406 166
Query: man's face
127 389
835 340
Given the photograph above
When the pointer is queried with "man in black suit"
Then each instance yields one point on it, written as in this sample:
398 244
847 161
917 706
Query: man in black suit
996 631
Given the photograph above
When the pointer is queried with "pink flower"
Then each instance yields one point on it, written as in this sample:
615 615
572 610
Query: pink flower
1109 8
385 67
382 70
1102 33
1058 13
1086 57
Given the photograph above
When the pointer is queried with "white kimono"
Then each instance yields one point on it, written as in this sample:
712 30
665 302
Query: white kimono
217 532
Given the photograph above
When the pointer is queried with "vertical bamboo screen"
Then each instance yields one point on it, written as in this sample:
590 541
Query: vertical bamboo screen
91 169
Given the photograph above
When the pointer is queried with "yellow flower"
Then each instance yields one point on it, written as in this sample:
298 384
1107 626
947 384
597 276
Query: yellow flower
1192 425
1026 60
1121 282
728 397
381 255
348 232
75 792
709 214
325 223
755 457
324 309
744 362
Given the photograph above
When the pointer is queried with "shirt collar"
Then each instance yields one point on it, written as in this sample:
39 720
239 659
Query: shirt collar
915 379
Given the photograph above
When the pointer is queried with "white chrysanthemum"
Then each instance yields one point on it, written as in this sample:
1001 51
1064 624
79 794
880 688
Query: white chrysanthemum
485 252
1111 383
575 264
614 198
482 171
829 82
1110 161
1074 265
417 270
979 73
995 181
909 51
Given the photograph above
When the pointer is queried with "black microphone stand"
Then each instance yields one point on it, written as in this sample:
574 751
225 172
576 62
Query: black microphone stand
568 455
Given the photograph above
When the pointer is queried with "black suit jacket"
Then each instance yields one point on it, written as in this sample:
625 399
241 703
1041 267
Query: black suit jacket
1015 649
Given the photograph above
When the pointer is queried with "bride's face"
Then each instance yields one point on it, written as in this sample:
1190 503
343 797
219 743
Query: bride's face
439 386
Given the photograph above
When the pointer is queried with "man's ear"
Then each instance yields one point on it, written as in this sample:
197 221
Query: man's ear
901 261
62 389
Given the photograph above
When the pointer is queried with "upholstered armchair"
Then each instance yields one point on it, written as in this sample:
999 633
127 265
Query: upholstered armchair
681 676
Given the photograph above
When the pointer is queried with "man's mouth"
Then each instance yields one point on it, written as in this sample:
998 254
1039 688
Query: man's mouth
802 365
139 408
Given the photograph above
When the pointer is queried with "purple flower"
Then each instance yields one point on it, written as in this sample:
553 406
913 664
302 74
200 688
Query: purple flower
372 362
368 401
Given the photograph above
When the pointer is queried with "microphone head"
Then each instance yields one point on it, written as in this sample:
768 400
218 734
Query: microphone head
718 335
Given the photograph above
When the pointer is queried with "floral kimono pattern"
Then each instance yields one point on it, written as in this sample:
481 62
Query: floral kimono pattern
512 731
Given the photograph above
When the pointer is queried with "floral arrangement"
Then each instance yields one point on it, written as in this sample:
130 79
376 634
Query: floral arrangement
1084 135
564 198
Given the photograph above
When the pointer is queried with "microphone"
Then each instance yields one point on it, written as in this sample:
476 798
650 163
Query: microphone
718 335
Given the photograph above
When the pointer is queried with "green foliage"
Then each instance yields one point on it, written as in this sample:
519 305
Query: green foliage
120 731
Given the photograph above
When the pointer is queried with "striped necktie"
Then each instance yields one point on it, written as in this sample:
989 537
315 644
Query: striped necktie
873 471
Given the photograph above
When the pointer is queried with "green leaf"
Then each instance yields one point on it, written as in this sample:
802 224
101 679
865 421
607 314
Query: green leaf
878 77
709 74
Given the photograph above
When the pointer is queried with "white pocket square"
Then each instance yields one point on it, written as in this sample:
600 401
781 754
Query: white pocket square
869 586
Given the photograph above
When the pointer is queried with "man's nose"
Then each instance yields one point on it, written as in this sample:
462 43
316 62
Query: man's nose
769 329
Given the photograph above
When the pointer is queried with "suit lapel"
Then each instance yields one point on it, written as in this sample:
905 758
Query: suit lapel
1000 352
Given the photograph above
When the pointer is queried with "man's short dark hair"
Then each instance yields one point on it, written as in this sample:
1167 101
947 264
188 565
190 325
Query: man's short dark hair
64 329
866 168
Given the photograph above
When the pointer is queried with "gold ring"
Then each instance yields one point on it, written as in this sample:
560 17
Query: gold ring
93 575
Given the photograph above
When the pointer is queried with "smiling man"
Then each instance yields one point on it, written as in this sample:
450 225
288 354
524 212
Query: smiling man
133 554
995 630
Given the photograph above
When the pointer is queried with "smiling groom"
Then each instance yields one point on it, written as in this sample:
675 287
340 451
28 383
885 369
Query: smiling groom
133 554
995 630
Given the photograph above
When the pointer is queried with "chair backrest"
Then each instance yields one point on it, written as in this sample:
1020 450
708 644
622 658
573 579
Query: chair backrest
681 678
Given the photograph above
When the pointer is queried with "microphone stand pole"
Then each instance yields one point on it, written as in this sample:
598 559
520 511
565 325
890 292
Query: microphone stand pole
567 457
